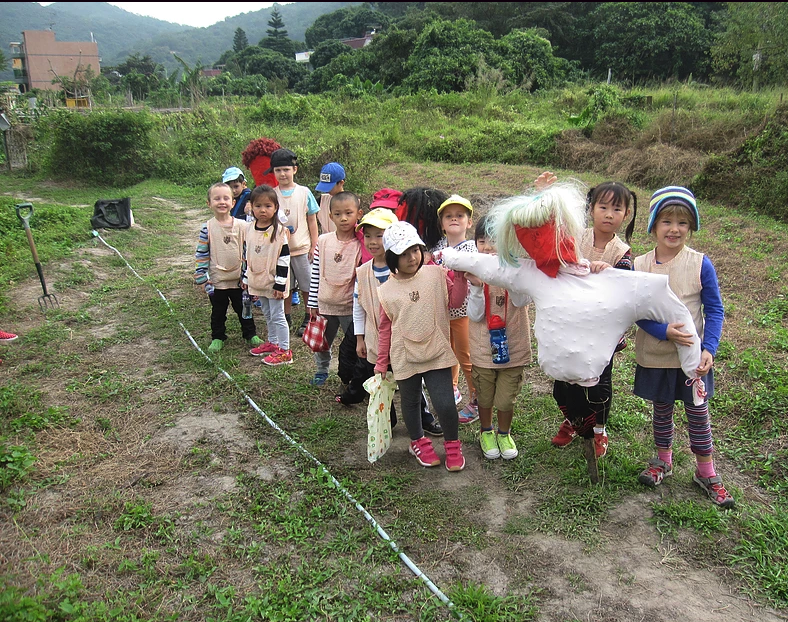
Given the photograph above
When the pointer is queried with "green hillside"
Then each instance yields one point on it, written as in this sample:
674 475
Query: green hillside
120 33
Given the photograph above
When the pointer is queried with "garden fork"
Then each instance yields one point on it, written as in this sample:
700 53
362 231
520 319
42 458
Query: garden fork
48 301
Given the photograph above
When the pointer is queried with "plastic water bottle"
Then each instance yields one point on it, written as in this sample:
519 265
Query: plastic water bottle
499 342
246 311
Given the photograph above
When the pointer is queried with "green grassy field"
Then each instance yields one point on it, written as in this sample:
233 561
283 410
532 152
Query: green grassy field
137 482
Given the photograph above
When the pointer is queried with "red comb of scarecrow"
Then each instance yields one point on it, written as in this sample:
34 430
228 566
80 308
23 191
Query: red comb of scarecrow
540 244
257 158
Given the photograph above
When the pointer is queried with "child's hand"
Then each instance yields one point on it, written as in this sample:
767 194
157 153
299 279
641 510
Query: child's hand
277 295
312 312
706 363
248 208
675 335
545 180
598 266
361 347
474 280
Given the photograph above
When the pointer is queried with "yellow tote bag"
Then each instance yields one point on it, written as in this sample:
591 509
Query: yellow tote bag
381 393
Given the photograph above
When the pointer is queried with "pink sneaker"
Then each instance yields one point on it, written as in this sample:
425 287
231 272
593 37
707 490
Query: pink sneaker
280 357
264 350
425 454
455 461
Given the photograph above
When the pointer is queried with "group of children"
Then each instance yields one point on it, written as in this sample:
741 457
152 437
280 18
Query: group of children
378 276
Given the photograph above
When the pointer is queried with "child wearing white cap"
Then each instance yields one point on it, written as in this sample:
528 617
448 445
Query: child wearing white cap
413 336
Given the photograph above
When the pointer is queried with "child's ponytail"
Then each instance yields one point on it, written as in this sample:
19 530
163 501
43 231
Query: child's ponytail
631 226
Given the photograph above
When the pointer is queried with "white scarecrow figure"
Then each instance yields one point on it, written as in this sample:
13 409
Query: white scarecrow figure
580 315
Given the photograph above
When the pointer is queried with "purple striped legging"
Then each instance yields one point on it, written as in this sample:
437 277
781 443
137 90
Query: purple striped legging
698 424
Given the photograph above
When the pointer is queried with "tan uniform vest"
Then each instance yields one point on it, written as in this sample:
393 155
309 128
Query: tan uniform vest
684 278
419 312
614 250
324 215
295 207
338 263
518 332
262 255
226 247
369 301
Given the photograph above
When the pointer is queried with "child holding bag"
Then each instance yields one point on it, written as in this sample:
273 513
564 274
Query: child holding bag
414 314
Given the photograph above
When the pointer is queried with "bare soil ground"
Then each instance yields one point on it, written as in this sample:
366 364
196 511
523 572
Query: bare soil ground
630 573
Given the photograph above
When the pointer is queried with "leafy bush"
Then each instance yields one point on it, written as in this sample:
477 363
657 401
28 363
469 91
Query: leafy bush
107 147
754 176
287 109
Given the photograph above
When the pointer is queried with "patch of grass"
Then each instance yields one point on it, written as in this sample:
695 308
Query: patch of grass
480 604
16 461
761 555
701 517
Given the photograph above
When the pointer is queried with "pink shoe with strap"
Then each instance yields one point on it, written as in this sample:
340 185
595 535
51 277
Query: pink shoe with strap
455 461
425 455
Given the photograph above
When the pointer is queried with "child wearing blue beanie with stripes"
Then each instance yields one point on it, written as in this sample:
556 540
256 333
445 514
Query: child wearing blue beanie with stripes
673 216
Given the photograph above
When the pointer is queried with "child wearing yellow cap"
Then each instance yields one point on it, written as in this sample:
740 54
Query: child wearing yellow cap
455 215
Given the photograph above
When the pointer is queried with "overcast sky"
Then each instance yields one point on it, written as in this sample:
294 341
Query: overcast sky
191 13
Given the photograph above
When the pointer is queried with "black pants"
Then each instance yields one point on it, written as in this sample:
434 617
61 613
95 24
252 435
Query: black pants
585 407
349 363
220 300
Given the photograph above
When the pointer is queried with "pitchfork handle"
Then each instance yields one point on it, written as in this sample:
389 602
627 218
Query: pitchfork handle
26 222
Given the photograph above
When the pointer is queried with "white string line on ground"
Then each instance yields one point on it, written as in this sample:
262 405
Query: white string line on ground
381 532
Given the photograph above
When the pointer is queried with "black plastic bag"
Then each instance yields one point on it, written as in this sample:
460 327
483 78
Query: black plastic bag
112 214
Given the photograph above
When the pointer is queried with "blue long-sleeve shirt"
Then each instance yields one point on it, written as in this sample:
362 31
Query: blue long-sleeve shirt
713 311
240 204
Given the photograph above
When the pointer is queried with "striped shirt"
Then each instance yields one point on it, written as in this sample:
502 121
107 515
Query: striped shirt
359 315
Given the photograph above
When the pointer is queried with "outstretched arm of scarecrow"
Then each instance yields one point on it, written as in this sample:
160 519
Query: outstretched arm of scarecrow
489 270
657 302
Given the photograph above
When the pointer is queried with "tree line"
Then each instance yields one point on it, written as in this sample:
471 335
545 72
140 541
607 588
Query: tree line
457 46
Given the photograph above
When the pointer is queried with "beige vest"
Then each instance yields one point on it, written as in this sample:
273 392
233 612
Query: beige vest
262 255
419 312
518 332
324 215
295 207
684 278
226 248
338 263
369 301
614 250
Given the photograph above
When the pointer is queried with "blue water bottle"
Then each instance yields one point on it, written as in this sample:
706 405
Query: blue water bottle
499 342
246 310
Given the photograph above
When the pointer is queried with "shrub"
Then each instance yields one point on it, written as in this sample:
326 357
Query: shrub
108 147
754 176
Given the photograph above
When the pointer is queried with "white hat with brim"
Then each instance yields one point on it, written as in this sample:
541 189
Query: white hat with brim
400 236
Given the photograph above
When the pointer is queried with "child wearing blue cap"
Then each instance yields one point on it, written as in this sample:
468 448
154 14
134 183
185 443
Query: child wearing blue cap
673 216
332 182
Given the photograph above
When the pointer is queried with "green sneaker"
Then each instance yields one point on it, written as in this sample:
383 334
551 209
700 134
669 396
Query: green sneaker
507 446
489 445
215 346
255 341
